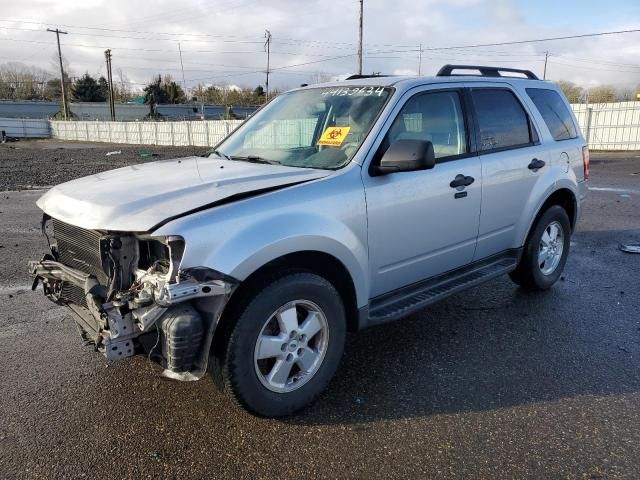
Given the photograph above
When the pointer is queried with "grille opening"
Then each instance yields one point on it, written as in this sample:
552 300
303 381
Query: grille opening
153 252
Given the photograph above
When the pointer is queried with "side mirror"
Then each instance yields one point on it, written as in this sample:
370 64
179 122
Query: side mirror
407 156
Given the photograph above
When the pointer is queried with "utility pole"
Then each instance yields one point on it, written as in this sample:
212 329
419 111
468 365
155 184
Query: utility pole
420 61
360 38
546 57
112 108
267 46
65 106
184 84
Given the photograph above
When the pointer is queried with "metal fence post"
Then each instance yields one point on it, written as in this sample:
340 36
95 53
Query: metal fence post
155 130
189 133
86 128
208 133
24 128
588 126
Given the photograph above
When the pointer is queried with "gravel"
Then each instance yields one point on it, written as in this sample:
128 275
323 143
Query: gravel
496 383
42 163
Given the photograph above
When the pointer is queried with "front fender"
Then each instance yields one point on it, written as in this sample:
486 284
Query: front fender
249 249
327 216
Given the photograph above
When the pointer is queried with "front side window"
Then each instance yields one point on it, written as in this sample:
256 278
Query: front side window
502 121
312 128
435 117
554 112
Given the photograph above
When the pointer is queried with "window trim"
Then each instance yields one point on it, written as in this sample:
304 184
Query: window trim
576 128
533 133
466 116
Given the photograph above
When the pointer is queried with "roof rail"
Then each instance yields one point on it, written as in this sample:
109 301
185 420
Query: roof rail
447 70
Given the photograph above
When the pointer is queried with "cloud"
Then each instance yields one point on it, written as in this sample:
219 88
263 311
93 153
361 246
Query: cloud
222 42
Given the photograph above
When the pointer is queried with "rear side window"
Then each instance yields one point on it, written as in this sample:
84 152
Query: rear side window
502 121
554 112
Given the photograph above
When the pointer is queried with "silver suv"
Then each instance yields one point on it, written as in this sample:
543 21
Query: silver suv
334 208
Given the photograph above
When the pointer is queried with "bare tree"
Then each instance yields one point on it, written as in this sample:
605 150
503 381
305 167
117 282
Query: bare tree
123 91
602 94
320 77
572 91
20 81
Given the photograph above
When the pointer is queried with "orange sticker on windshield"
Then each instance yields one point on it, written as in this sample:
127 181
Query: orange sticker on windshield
334 136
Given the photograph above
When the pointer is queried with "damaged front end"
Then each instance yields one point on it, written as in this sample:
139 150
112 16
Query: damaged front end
129 295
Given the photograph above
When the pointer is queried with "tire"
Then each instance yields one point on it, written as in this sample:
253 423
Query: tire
268 338
532 274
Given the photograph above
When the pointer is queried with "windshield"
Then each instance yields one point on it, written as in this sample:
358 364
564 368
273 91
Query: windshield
313 128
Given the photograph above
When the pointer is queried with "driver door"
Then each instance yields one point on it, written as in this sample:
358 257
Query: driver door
418 225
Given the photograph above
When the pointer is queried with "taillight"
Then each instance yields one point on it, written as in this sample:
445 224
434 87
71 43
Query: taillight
585 162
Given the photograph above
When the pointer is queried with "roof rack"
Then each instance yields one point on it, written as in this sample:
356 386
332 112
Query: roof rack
447 70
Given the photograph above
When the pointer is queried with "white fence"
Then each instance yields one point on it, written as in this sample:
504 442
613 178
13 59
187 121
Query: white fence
199 133
610 126
606 126
25 127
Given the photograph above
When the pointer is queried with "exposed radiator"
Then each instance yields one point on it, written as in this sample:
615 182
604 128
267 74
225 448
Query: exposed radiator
80 249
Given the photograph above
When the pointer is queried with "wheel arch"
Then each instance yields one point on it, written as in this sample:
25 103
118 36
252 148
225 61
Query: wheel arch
312 261
563 197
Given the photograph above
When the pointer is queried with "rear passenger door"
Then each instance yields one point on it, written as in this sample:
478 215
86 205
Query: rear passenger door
510 151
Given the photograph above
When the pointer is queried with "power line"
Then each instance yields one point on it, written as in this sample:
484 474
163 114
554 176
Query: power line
591 67
291 41
126 37
537 40
597 62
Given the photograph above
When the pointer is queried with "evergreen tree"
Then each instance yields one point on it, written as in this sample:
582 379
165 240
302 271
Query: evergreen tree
103 88
86 89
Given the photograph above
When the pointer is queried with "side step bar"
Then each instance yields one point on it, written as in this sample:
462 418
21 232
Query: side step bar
406 300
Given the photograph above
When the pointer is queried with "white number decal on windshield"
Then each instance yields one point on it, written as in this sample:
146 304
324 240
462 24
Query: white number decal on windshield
354 92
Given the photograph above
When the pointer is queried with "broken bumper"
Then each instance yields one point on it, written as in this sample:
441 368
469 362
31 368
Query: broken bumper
183 315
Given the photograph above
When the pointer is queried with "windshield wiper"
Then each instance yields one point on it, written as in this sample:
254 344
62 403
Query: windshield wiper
221 154
254 159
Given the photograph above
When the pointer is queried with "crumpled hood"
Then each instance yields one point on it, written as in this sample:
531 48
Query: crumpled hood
139 197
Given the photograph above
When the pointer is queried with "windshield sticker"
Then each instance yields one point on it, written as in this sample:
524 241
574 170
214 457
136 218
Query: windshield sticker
354 91
334 136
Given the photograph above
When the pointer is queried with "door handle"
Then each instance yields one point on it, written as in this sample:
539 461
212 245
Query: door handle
461 181
536 164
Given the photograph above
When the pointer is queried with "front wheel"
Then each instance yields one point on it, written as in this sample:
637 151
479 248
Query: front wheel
545 252
285 345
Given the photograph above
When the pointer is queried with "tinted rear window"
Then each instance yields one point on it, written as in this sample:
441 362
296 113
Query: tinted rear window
502 120
554 112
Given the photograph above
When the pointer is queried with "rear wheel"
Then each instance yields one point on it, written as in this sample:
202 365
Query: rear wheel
285 345
545 252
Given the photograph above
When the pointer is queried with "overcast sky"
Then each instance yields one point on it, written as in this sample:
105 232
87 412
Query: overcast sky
222 40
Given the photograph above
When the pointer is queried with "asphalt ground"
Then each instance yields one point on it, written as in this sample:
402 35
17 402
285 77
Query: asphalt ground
495 383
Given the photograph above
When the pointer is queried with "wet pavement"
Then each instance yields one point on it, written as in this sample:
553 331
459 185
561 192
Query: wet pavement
495 383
